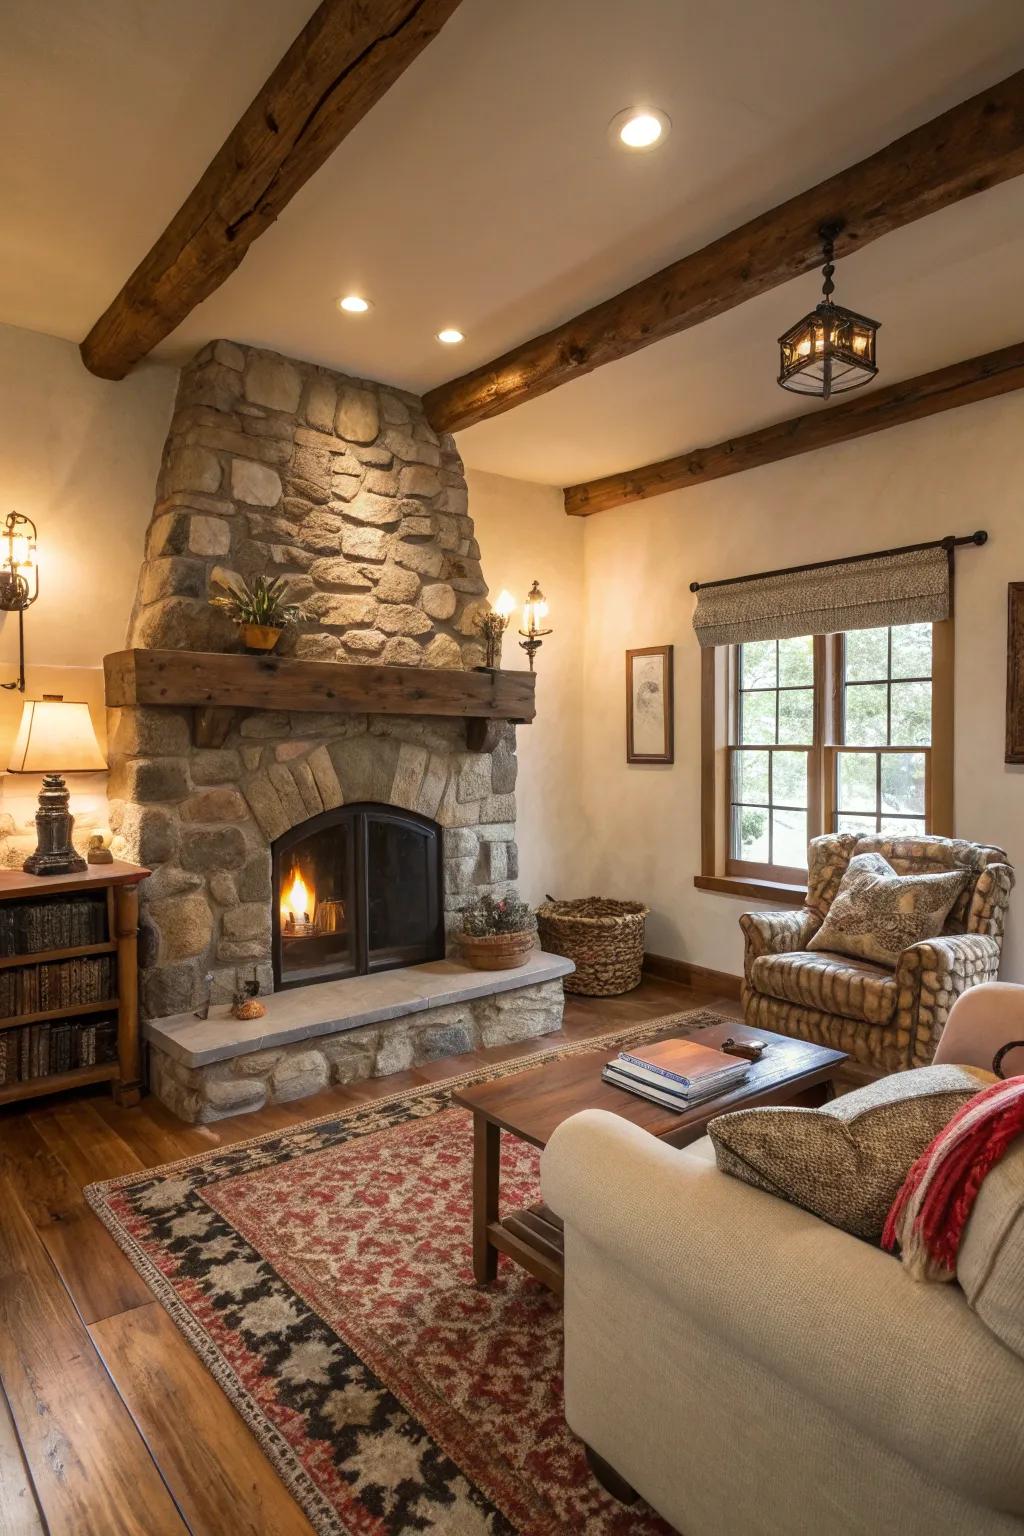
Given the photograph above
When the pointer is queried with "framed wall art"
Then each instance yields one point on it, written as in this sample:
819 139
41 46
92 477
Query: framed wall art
1015 673
649 724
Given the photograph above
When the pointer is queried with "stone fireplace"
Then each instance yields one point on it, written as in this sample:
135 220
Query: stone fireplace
390 822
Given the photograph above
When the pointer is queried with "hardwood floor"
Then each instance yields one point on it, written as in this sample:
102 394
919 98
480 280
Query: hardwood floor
109 1425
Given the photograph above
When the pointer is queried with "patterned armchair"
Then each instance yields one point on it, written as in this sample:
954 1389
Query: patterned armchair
886 1020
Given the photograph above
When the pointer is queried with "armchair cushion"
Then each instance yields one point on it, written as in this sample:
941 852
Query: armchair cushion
845 1162
831 983
877 914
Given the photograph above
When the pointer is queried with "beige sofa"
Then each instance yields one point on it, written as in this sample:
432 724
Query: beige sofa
752 1371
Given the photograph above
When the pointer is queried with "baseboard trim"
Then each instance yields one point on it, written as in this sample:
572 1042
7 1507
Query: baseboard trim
690 975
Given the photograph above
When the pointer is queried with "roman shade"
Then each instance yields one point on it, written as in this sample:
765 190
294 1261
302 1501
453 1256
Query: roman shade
906 587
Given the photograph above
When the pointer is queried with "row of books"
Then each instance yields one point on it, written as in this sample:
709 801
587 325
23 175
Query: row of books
56 984
28 927
40 1050
675 1073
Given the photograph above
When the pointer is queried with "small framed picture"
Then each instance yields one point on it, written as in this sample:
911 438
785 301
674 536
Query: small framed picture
649 705
1015 674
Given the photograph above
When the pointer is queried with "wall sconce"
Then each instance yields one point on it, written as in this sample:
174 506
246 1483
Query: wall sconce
535 611
492 626
19 579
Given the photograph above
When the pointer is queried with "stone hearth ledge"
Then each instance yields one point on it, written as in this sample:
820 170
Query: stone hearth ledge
346 1031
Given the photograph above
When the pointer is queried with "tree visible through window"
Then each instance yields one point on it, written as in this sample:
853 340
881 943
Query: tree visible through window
835 734
881 782
775 734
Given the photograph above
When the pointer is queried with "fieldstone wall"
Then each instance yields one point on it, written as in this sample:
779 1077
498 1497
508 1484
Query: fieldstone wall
204 819
279 467
278 1076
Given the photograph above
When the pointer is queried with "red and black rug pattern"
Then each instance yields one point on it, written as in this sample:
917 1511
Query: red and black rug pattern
324 1277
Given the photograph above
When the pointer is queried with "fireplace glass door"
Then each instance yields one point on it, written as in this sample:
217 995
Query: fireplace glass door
356 890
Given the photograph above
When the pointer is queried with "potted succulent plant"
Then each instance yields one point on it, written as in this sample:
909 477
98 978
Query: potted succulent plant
497 935
262 608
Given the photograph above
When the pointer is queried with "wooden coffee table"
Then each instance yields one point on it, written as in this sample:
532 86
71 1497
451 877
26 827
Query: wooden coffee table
531 1104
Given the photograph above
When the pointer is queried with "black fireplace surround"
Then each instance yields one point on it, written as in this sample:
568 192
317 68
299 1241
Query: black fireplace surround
356 890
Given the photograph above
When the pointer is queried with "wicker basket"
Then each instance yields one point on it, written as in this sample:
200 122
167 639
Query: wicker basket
605 938
496 951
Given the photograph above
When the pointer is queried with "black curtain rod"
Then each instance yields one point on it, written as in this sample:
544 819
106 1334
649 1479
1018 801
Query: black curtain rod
949 543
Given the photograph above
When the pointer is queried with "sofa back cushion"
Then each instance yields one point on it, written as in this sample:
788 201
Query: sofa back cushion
877 913
846 1161
990 1264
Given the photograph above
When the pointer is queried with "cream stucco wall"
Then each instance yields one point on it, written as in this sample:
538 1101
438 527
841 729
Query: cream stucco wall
524 535
80 457
950 474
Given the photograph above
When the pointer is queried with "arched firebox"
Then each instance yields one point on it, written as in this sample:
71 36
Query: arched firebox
356 890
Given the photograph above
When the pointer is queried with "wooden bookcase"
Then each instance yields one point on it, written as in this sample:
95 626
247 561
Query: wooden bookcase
119 883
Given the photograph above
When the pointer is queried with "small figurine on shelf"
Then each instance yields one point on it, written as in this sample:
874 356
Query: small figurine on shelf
203 1011
243 1003
97 851
252 1008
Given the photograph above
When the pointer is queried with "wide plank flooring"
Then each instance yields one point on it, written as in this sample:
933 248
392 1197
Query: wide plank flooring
109 1425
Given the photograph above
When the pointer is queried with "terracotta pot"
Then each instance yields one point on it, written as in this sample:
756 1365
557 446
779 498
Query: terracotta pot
260 637
496 951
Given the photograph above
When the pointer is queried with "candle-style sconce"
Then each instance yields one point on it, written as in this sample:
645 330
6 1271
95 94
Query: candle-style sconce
19 580
535 611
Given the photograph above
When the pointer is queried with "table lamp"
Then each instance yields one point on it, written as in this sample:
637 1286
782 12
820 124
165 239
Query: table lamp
55 737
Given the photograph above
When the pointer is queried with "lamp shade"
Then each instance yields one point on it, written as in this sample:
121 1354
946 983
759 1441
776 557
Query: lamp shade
55 736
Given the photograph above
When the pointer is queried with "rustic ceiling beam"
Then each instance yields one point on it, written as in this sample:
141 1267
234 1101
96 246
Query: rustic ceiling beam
978 378
342 62
973 146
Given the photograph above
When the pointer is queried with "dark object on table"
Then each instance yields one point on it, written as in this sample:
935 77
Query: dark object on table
1003 1051
752 1050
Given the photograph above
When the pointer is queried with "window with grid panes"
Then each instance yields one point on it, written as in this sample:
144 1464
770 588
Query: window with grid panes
770 761
836 736
882 760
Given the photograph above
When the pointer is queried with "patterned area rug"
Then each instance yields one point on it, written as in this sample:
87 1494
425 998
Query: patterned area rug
324 1277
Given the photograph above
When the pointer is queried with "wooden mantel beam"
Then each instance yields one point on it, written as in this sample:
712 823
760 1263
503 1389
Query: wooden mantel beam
342 62
971 147
978 378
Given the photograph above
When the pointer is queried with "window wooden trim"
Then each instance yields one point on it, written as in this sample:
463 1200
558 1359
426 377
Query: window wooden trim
715 709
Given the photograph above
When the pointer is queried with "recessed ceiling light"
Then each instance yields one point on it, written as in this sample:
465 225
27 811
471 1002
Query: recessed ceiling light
353 304
450 336
640 128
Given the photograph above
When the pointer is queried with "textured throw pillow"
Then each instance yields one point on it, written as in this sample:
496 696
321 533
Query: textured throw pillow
990 1264
877 914
846 1161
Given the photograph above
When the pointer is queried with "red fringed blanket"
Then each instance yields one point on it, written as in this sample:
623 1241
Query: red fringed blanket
929 1214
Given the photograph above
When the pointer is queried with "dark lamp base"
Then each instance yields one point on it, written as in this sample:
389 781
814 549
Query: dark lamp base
54 853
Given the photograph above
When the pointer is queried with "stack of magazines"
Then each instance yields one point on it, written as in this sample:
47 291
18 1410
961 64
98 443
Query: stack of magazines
675 1073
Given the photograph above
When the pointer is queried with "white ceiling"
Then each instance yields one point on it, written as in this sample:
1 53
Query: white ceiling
483 192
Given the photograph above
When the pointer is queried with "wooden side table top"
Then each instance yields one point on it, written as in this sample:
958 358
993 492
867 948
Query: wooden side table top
532 1103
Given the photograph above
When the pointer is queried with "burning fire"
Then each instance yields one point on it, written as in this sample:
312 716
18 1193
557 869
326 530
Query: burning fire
298 903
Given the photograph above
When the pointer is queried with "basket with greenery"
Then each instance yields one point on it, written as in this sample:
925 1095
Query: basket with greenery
497 934
506 915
